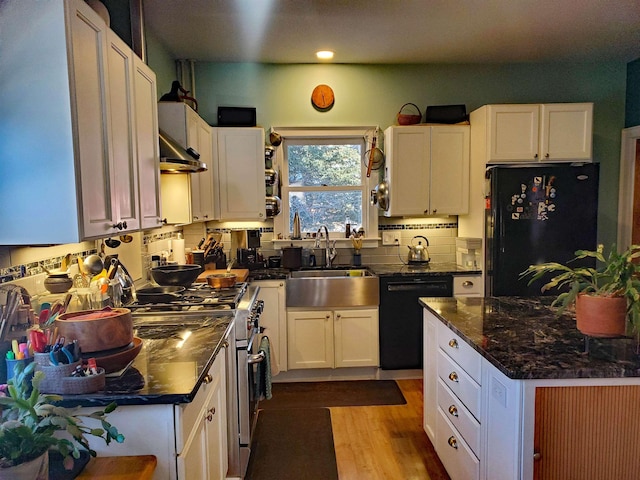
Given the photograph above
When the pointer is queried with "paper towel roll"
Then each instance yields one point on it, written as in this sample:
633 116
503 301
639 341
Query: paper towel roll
178 250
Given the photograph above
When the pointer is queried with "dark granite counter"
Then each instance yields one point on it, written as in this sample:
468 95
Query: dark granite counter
399 269
171 365
525 339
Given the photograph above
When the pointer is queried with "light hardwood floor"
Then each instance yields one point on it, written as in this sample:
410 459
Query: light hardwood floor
385 442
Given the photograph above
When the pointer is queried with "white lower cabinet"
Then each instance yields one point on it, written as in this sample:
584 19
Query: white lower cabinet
468 286
332 338
203 436
274 318
189 440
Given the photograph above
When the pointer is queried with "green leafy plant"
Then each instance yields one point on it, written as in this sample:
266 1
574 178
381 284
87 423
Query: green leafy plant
29 420
615 275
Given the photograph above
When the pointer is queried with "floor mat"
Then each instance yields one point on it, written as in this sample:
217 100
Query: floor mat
293 445
347 393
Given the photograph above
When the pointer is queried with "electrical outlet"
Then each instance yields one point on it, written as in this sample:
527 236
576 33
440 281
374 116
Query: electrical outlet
391 238
499 392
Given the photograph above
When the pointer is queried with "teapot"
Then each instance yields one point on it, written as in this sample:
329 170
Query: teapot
418 253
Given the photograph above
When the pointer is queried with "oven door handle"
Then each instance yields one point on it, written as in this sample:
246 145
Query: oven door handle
257 358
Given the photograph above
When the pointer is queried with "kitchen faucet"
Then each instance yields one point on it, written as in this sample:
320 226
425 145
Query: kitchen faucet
330 250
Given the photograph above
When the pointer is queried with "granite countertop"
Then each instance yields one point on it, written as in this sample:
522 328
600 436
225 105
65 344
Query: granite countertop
525 339
170 367
399 269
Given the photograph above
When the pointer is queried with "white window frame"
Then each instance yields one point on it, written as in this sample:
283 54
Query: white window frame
281 227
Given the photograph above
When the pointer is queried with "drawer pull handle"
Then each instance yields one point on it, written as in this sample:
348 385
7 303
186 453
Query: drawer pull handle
453 442
453 410
467 283
207 378
453 343
453 376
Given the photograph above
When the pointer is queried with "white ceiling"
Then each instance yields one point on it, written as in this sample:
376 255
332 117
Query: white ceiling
397 31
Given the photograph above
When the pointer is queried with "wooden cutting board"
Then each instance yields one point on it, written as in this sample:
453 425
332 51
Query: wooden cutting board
241 273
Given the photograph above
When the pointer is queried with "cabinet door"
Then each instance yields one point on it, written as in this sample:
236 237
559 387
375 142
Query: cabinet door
202 203
310 339
566 131
408 170
123 161
90 111
449 177
356 338
513 133
430 374
240 168
274 318
146 132
216 424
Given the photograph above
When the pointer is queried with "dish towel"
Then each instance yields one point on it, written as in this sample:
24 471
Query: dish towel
264 370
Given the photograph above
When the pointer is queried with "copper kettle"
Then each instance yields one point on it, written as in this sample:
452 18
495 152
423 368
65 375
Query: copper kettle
419 253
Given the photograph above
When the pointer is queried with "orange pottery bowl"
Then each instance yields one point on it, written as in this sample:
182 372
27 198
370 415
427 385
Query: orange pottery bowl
97 330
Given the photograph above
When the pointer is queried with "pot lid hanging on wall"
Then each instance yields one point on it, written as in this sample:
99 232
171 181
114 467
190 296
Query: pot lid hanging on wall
175 159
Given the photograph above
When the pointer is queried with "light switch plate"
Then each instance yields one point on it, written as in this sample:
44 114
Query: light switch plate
391 238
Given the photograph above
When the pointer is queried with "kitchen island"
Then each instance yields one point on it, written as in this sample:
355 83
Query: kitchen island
514 391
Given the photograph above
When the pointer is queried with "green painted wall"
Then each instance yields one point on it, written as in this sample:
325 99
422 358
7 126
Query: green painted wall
373 94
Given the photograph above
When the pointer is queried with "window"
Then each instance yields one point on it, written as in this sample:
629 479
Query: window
324 180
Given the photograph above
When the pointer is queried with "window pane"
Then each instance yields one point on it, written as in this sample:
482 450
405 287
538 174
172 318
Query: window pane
332 209
317 165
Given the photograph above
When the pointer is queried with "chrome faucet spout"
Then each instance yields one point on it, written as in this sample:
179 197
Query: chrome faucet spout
327 253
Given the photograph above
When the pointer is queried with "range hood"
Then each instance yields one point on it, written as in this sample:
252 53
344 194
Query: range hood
175 159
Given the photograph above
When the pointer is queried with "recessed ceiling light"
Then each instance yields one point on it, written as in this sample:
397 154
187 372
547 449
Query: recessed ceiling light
324 54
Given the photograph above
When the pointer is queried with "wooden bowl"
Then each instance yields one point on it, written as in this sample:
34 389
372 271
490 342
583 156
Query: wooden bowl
114 360
97 330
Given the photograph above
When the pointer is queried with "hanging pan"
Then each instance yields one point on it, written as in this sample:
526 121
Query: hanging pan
374 157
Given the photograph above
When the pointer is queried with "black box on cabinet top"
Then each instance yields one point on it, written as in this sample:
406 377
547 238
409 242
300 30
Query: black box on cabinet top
448 114
236 117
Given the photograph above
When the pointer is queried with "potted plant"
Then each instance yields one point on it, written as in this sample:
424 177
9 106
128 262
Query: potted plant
29 421
606 297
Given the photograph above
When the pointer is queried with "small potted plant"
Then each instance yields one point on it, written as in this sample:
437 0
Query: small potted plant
606 297
29 421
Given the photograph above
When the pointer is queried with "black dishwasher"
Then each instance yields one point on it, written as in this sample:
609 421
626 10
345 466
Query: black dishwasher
400 317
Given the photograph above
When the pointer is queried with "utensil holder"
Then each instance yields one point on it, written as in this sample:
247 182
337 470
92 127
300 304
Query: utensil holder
80 385
54 375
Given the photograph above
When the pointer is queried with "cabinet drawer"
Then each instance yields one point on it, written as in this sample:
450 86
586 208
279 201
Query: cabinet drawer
454 453
460 383
460 351
459 416
467 286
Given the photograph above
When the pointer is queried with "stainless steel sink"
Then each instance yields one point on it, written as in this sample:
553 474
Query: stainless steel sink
330 273
332 288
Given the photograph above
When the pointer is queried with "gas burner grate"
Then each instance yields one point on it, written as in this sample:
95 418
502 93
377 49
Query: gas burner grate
198 297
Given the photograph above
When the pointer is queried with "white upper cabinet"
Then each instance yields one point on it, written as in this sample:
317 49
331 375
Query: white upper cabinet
70 170
146 124
239 160
427 168
195 204
556 132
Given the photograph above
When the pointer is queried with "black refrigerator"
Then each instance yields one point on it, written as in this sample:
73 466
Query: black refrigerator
536 214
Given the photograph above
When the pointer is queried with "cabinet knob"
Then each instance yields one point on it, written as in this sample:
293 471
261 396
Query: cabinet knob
210 413
453 343
338 316
195 217
207 378
453 376
453 410
435 210
120 225
164 220
467 283
537 456
261 215
546 155
327 317
206 216
453 442
535 156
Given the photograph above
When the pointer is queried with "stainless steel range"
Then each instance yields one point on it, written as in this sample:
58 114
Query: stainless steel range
241 356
